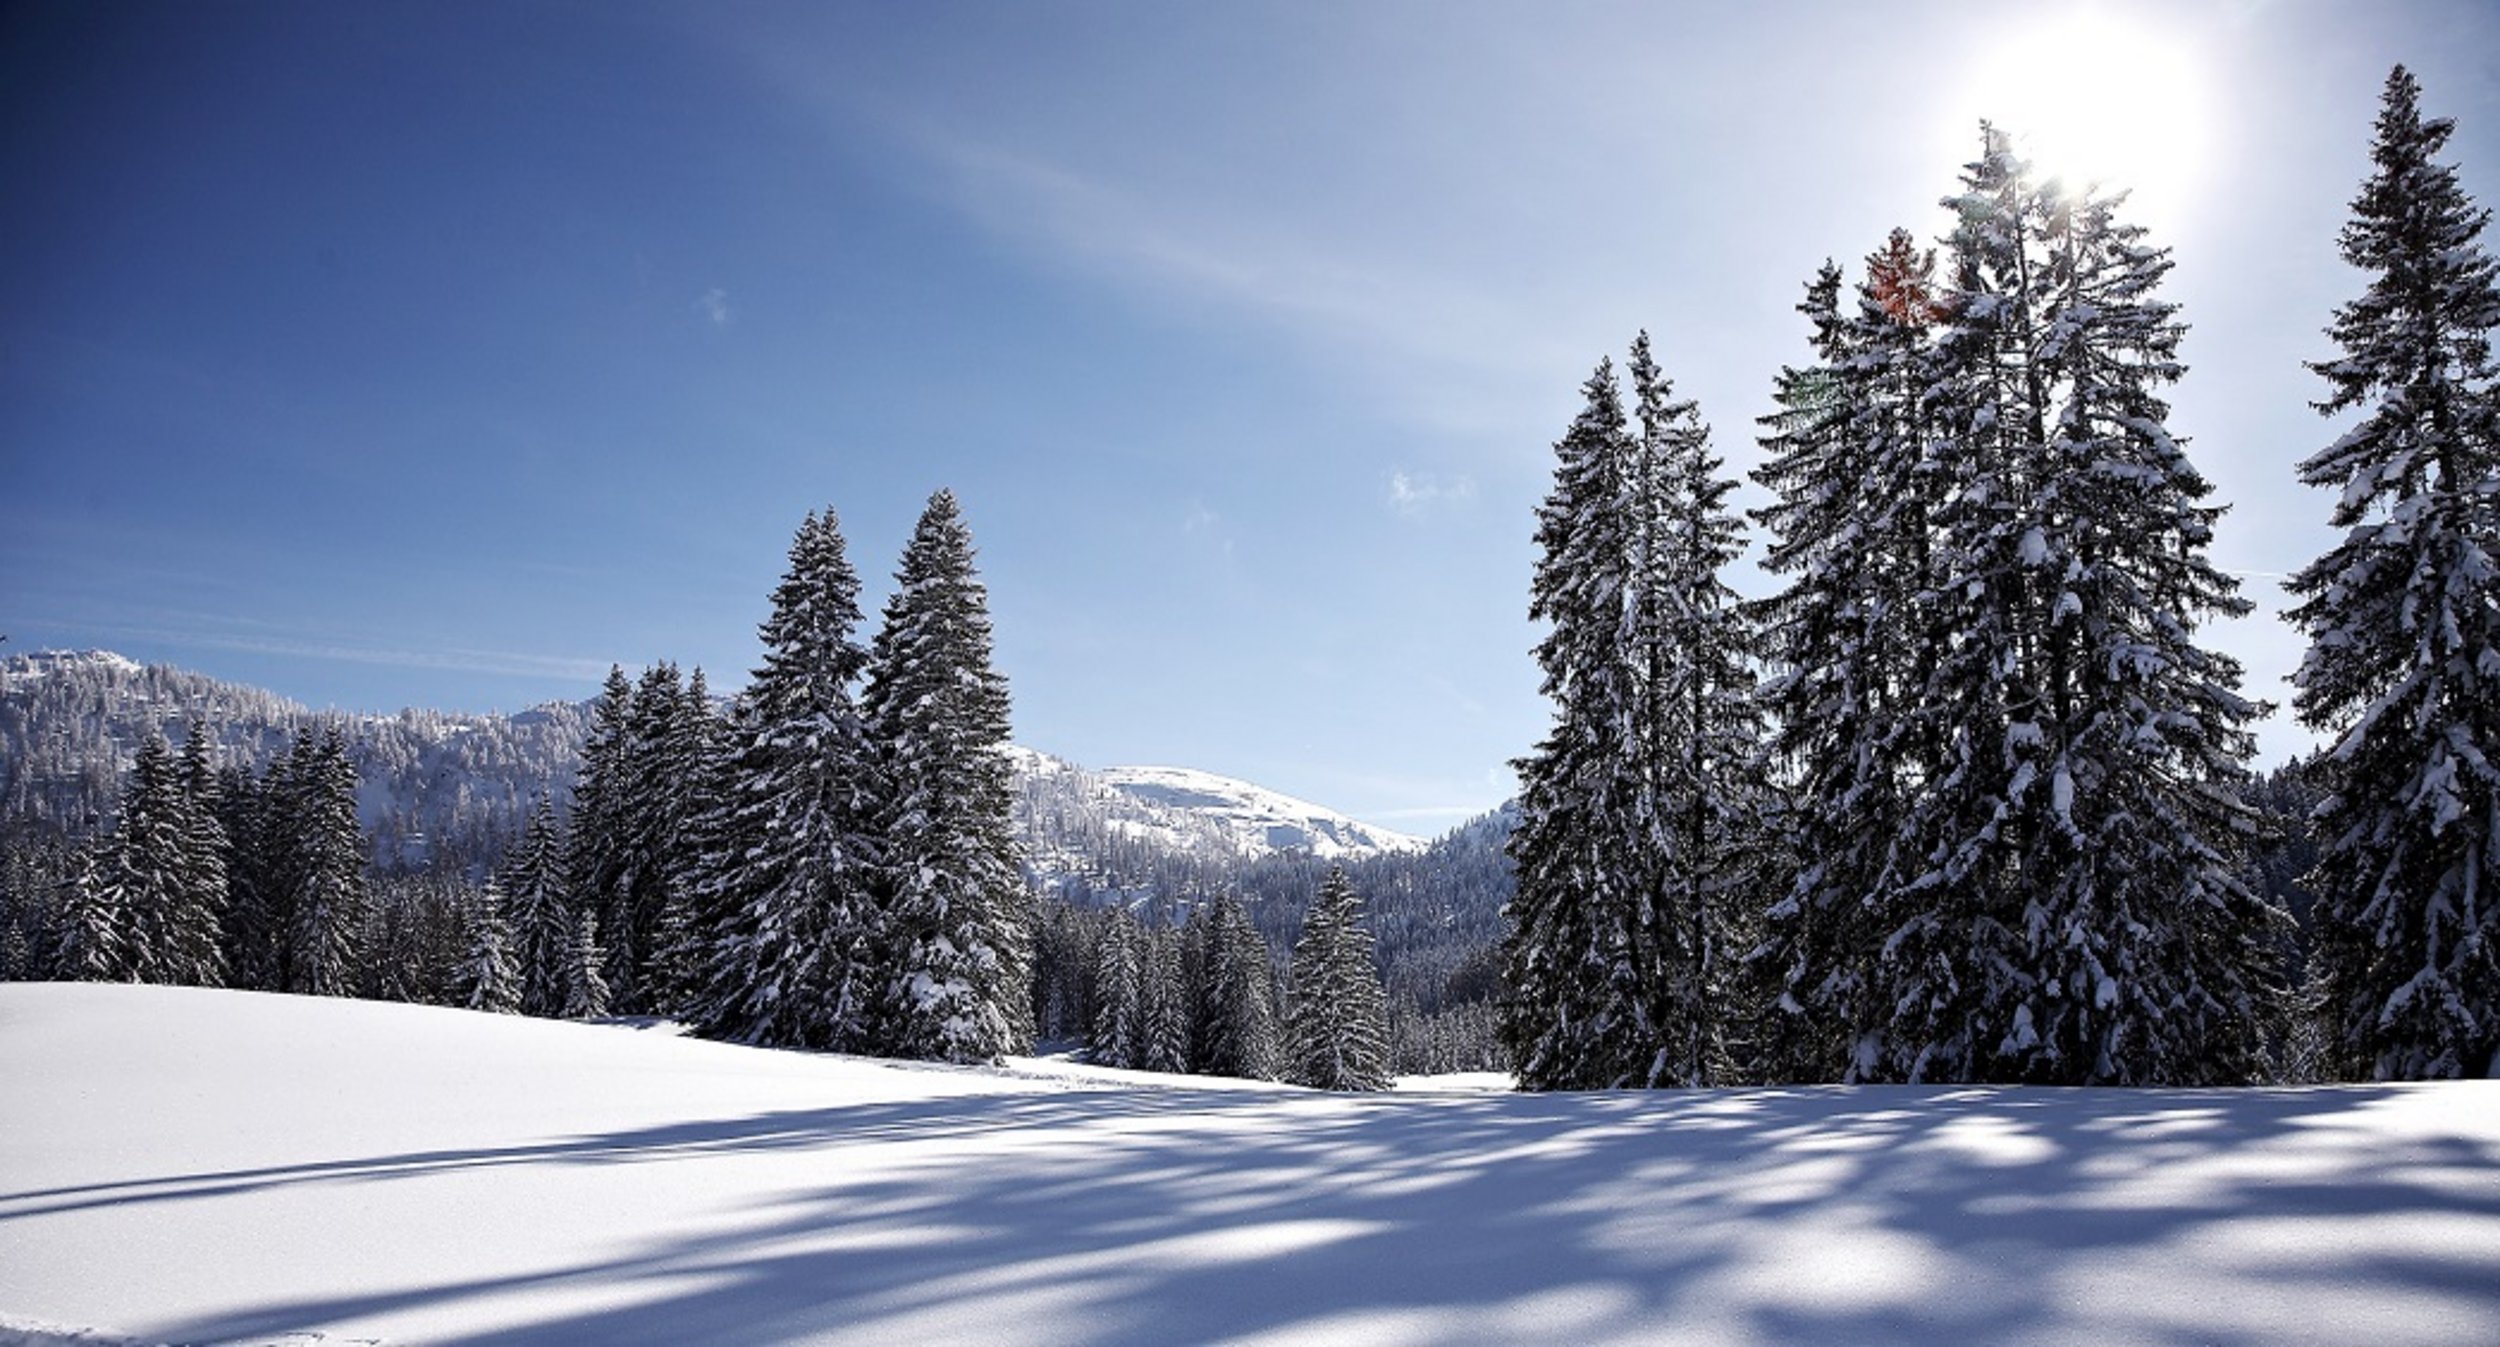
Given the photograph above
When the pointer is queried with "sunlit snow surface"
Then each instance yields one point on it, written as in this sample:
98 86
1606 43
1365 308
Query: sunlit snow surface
196 1166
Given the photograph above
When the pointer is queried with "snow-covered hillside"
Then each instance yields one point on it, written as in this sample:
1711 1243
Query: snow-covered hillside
1071 816
186 1166
71 722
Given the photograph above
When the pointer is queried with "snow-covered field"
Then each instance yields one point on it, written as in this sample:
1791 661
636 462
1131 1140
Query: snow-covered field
196 1166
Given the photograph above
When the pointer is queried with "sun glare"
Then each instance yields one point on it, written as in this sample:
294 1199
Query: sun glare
2095 96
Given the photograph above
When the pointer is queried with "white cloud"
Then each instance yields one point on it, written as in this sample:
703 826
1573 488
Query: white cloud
1413 493
714 306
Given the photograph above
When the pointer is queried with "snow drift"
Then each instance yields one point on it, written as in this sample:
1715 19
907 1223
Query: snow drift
180 1165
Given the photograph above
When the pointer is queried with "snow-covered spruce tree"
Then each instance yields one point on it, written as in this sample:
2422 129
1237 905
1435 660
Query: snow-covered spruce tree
1337 1034
2404 622
139 871
326 868
485 978
193 950
1240 1038
1699 807
1162 1006
93 931
1573 1011
585 982
1849 532
533 885
957 947
255 914
600 847
792 855
1116 1027
696 762
2081 916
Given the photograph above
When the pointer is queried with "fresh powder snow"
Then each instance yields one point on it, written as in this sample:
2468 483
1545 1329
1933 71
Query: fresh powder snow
186 1165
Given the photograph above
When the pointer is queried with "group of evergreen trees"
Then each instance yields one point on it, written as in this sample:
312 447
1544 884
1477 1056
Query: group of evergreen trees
1983 816
829 864
221 879
1203 996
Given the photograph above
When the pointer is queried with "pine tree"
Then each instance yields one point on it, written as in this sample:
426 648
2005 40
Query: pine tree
2404 621
600 854
958 935
1338 1033
1116 1035
1241 1032
326 868
695 763
94 931
794 962
585 984
140 874
193 952
255 913
2079 917
1697 814
486 978
1162 1006
1845 457
532 882
1572 1013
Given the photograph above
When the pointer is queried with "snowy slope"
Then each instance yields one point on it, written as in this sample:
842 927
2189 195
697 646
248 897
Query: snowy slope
184 1165
1069 811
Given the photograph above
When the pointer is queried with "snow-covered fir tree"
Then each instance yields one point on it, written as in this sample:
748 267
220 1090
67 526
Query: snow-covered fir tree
1162 1003
585 976
1240 1037
956 924
1637 811
2403 616
486 978
255 915
1337 1034
1844 458
1574 1004
325 868
93 935
793 858
602 845
1118 1020
2080 916
1699 806
533 885
193 950
139 874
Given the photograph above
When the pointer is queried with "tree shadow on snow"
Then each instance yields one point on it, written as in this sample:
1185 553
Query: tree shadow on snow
1873 1214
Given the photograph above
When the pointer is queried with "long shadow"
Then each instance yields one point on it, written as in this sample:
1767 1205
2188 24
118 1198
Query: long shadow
1816 1215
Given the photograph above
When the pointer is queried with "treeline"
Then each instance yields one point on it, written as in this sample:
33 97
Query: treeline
1967 799
1203 995
827 865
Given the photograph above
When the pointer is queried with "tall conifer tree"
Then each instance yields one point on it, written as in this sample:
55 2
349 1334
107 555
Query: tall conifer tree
794 962
958 940
2404 621
1337 1035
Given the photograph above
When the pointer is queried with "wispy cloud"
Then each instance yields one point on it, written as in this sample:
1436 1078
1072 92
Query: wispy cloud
1448 343
347 650
1412 493
714 306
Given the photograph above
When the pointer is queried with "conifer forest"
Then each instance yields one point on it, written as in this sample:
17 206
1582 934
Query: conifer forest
1969 795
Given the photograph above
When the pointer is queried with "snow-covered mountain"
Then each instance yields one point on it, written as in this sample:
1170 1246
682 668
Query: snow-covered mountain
1183 810
439 785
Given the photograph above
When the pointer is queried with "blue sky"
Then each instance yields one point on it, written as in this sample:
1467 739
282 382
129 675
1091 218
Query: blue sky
443 354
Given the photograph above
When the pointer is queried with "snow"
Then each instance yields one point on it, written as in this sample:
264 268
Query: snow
203 1166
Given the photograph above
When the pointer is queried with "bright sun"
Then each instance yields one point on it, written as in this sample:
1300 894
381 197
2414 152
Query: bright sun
2094 96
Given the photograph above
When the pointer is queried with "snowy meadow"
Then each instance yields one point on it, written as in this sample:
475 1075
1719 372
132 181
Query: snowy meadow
188 1165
